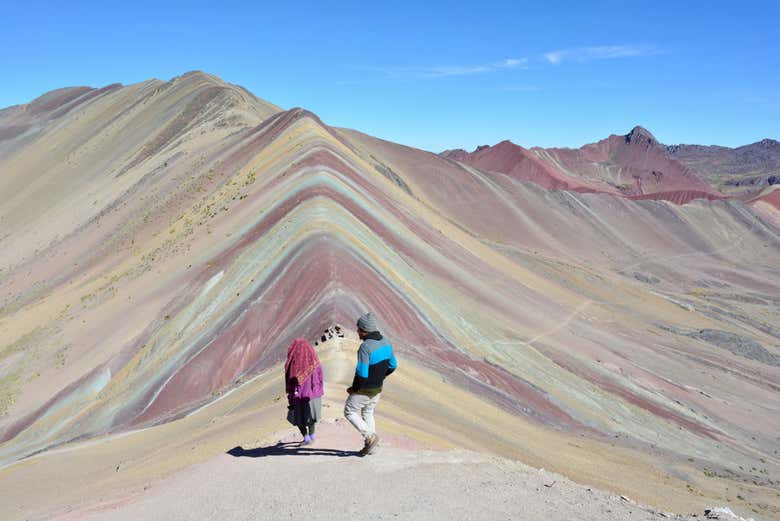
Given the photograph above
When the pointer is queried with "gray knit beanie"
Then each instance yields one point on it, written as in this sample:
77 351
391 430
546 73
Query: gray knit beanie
367 323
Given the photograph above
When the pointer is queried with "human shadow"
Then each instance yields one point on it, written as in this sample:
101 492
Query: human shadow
289 449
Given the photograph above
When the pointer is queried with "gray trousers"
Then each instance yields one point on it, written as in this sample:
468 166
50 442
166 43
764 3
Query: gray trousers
359 410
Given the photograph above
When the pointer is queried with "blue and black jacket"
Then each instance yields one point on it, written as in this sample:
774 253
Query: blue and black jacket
375 360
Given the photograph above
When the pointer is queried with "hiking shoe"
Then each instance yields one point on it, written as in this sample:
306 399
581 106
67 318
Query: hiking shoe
373 446
364 450
369 446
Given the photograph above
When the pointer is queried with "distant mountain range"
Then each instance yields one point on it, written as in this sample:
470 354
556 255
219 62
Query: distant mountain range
741 170
636 165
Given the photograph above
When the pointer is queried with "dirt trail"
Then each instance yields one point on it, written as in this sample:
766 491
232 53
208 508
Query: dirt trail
327 481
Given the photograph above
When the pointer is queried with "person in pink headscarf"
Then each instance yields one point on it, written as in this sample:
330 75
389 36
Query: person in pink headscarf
303 383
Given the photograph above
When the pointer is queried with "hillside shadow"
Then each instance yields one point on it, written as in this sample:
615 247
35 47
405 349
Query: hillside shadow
288 449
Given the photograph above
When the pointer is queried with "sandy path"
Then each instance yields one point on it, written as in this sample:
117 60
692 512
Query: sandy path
327 481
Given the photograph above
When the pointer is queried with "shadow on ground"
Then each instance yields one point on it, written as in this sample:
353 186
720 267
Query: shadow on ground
289 449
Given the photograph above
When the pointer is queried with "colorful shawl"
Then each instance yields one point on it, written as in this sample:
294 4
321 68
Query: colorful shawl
302 361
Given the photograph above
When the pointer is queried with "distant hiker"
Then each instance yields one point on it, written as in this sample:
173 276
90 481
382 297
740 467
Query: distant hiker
375 360
303 382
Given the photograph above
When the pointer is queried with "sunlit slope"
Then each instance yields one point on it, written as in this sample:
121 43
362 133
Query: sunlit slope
163 257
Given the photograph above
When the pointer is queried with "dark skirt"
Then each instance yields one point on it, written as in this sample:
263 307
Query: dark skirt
305 411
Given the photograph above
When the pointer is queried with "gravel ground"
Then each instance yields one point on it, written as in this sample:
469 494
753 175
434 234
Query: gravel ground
328 481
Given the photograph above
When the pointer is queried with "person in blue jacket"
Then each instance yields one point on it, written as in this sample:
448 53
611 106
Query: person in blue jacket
375 360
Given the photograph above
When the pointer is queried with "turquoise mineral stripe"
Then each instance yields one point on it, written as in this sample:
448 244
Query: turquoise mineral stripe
380 354
361 370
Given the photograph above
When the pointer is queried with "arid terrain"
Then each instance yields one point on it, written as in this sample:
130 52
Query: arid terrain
608 313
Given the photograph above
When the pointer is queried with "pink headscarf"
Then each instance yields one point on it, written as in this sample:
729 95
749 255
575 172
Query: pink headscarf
302 361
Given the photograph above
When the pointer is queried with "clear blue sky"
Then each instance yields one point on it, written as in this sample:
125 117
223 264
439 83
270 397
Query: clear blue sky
436 75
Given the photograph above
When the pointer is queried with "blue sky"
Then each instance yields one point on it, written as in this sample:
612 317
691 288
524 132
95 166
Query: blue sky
438 75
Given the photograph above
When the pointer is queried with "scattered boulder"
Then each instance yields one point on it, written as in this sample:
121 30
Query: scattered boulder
647 279
723 513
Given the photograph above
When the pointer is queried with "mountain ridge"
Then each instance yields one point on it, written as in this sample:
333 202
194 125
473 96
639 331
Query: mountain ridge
740 172
157 260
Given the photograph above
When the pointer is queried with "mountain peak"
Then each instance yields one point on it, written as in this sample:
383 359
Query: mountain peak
639 135
457 154
201 75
